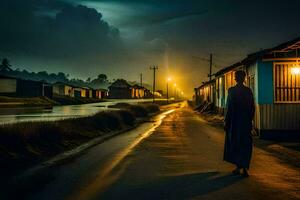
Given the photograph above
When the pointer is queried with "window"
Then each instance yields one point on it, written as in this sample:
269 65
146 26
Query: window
286 83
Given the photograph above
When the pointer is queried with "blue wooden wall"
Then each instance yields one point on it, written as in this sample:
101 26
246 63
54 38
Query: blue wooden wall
265 88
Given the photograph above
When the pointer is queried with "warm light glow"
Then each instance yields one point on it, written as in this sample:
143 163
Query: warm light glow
182 93
175 84
169 79
295 70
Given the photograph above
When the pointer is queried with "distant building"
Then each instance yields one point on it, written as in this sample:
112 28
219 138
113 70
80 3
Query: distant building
138 92
77 92
161 93
86 92
15 87
104 93
158 94
99 93
206 92
8 86
120 89
63 89
148 93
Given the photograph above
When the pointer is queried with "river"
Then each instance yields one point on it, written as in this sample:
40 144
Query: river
14 115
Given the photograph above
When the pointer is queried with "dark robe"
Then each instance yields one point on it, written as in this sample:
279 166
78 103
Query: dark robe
238 125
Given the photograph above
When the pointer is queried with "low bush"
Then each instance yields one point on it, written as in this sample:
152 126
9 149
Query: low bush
107 120
152 108
127 117
138 111
120 105
28 142
17 136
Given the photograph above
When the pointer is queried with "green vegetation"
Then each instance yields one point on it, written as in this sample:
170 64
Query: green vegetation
140 110
27 143
152 108
101 81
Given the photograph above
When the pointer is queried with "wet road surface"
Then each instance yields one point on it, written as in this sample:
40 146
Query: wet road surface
177 156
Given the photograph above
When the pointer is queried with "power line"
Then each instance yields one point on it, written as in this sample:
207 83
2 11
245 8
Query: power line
210 60
206 60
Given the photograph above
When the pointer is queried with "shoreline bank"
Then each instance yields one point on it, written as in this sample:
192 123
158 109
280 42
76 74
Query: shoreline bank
43 102
26 144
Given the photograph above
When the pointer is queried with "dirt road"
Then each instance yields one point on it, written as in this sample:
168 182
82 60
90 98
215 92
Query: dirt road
177 156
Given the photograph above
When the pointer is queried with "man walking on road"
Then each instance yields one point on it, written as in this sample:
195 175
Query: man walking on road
238 125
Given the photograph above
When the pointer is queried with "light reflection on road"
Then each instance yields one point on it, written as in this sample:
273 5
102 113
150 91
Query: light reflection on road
107 173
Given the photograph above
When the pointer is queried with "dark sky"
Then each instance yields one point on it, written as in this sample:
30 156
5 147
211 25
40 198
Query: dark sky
123 37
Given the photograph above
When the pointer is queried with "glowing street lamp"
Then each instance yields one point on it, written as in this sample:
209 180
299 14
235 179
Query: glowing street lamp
182 94
295 70
168 80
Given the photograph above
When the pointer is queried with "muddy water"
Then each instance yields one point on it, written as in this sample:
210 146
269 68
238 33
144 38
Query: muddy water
14 115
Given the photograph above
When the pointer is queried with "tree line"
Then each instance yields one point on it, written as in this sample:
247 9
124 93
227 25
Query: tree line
101 81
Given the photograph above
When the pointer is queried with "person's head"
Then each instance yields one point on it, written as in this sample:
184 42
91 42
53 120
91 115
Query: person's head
240 76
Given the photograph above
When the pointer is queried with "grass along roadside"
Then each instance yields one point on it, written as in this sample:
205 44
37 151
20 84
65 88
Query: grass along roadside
28 143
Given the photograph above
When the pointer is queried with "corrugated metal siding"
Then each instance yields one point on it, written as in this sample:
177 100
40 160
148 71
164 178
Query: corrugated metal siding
229 82
278 116
8 85
252 80
56 89
220 89
257 117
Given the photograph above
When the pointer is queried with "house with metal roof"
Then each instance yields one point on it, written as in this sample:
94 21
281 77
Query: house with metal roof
15 87
274 76
206 93
120 89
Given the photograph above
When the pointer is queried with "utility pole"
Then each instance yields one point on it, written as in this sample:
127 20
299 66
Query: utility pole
167 91
154 68
141 82
210 60
210 66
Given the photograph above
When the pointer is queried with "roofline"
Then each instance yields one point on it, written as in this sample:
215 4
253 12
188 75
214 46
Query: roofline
206 83
21 79
252 57
8 77
73 86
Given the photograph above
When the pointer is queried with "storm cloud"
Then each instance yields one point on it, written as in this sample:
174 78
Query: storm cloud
54 29
123 37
